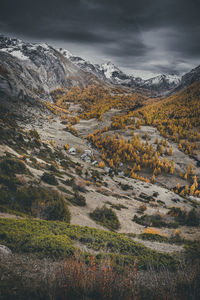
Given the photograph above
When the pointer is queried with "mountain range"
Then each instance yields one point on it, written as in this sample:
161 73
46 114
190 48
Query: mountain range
109 72
34 70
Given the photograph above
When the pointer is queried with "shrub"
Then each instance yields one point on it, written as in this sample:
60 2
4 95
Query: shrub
49 178
78 199
33 133
33 159
79 170
183 218
178 214
42 203
193 251
76 279
79 188
52 168
125 187
192 218
10 166
142 208
106 216
154 237
55 239
118 206
10 182
64 190
152 231
154 221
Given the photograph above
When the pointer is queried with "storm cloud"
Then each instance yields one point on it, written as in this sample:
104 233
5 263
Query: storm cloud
143 37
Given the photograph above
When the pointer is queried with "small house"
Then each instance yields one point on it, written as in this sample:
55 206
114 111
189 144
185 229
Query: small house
72 151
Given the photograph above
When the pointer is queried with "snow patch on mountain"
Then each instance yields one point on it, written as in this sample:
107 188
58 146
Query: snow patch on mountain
65 53
109 72
108 69
20 49
173 79
167 79
33 70
18 54
42 64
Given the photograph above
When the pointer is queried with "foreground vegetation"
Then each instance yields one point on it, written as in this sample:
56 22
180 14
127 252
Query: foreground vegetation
50 265
57 239
106 216
27 277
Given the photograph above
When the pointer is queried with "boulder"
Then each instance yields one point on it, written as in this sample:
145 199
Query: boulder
5 251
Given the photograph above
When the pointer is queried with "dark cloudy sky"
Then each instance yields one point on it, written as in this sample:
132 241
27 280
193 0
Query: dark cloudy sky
143 37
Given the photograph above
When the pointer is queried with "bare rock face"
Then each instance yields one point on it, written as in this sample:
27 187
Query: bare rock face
158 86
107 72
189 78
34 70
5 251
161 84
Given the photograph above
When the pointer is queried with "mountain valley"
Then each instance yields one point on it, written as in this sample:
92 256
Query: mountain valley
100 172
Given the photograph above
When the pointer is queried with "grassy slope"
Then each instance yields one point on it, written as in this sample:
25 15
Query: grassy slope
56 239
180 109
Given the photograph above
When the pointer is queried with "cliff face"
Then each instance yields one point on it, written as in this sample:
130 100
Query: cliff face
34 70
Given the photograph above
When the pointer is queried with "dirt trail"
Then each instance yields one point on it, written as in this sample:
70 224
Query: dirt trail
160 247
9 216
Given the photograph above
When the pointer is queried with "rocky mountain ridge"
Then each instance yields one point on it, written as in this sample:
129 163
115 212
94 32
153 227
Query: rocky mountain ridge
188 78
34 70
30 70
158 85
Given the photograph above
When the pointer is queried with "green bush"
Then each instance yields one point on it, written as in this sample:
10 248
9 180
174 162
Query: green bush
142 208
33 133
11 166
107 217
125 187
179 215
10 182
118 206
49 178
6 209
154 221
42 203
192 218
78 188
52 168
193 251
154 237
78 199
35 237
64 190
174 239
56 239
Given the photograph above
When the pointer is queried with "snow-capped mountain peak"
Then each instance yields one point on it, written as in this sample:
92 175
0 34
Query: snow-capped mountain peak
168 79
162 84
20 49
105 71
173 78
33 70
44 63
109 68
65 53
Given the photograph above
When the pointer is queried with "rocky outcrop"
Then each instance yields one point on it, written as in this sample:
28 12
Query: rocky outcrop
34 70
5 251
188 78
